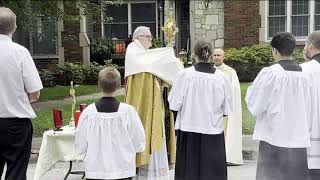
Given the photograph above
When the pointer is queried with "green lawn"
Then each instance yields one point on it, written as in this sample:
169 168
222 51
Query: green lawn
61 92
248 121
44 119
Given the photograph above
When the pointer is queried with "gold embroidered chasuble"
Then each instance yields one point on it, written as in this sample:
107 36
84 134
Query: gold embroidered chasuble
145 94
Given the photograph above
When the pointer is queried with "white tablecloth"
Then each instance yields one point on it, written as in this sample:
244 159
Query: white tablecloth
56 146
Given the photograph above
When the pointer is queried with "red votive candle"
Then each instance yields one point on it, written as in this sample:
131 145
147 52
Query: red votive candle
82 107
57 118
76 117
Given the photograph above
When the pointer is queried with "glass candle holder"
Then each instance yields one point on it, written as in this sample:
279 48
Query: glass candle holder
57 119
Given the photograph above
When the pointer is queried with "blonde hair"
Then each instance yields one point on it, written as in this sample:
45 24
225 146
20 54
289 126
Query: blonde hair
109 79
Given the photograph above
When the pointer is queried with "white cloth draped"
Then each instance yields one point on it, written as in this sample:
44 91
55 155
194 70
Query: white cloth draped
160 62
313 69
280 101
233 135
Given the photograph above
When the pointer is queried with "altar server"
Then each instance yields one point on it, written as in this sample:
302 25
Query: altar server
201 95
279 98
110 133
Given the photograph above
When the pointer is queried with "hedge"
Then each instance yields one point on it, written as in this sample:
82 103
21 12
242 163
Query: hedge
248 61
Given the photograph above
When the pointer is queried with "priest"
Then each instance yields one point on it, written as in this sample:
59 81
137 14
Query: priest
312 67
147 71
233 123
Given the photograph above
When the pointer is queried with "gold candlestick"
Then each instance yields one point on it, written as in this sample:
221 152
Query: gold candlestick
73 104
170 29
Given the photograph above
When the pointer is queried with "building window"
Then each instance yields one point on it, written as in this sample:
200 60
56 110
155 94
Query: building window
41 39
300 17
277 16
126 17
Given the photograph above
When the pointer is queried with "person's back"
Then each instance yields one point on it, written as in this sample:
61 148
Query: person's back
20 85
283 108
202 97
109 133
110 141
279 98
312 52
15 80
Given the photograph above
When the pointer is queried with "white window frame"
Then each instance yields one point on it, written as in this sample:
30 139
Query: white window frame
289 19
130 18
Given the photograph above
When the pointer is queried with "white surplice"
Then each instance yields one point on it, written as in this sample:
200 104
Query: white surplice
109 142
233 133
280 101
313 69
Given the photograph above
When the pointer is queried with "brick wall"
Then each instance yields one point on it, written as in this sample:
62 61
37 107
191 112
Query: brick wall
242 23
70 36
50 63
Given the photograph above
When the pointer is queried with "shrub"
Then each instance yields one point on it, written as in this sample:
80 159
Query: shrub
47 78
101 50
248 61
71 72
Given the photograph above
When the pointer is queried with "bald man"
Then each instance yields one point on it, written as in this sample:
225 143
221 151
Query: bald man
312 67
233 127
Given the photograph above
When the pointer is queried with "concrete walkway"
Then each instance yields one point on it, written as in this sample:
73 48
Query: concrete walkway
244 172
39 106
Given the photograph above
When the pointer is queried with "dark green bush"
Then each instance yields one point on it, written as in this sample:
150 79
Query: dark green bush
101 50
71 72
248 61
47 78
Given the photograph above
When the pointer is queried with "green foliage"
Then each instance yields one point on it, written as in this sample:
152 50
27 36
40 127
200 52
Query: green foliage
71 72
78 73
47 78
101 50
156 43
248 61
90 73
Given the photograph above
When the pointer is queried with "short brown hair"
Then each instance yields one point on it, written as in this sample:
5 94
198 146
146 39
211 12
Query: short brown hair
7 21
314 38
109 79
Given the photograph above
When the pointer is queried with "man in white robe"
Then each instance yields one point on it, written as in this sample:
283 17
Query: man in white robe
312 52
233 134
146 70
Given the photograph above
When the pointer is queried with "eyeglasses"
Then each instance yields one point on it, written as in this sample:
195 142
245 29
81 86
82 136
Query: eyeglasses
148 37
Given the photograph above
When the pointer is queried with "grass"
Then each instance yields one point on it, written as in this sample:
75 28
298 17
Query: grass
61 92
44 119
248 121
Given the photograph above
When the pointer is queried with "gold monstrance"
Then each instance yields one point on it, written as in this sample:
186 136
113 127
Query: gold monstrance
73 104
170 29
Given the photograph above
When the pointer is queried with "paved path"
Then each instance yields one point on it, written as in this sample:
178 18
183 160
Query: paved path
244 172
38 106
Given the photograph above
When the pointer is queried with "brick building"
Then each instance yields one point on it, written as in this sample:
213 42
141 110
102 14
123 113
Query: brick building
227 24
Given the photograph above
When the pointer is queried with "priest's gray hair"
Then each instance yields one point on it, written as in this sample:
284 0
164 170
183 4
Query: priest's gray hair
109 79
314 38
141 31
7 21
203 50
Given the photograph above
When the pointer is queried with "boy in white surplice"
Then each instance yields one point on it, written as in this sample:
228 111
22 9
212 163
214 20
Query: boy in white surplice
110 133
